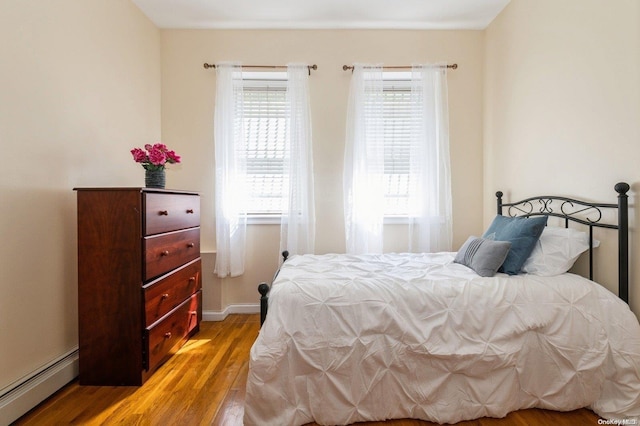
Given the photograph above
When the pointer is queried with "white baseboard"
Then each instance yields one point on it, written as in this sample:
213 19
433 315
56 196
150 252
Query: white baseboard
253 308
23 395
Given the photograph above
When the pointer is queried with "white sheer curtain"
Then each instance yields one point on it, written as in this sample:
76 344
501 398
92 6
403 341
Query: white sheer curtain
231 218
364 162
429 183
430 217
297 231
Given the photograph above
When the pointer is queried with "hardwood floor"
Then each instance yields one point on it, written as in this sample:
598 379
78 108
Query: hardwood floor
204 384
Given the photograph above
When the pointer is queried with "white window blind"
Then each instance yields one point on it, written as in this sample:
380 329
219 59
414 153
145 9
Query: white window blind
397 116
265 146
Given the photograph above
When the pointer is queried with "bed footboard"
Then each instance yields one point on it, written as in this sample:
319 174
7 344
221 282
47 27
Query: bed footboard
263 289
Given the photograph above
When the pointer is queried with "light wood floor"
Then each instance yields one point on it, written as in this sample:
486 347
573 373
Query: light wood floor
204 384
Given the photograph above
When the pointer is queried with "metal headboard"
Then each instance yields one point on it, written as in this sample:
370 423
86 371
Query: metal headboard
585 213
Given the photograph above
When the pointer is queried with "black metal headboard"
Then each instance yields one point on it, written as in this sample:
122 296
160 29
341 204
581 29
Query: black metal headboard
586 213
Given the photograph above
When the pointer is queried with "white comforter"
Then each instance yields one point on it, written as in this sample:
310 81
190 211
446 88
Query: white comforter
373 337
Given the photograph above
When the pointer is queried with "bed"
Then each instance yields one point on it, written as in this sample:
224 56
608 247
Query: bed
351 338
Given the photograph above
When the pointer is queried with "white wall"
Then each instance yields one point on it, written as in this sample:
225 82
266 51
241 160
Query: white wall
187 123
79 87
562 108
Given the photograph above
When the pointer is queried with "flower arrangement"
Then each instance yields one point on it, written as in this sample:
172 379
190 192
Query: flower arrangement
154 157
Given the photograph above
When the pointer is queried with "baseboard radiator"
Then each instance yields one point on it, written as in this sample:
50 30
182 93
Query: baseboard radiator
24 394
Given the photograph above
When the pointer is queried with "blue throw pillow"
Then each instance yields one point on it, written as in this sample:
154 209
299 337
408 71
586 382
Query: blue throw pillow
523 234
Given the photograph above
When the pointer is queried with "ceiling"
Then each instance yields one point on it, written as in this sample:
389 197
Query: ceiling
322 14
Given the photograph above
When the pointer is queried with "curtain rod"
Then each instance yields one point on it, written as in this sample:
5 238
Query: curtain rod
309 67
398 67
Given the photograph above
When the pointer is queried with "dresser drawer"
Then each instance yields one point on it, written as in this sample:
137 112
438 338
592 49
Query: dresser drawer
165 252
169 291
170 212
165 337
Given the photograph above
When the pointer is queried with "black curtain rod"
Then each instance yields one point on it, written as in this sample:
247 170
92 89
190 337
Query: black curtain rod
309 67
397 67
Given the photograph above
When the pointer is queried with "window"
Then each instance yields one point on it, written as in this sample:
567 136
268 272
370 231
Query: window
265 148
397 143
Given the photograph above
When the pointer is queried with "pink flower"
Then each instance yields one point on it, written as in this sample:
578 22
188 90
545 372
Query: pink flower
160 146
139 155
155 157
172 157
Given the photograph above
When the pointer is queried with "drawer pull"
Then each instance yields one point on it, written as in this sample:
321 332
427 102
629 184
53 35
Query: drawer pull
167 335
191 245
193 312
192 279
163 213
165 296
189 211
164 253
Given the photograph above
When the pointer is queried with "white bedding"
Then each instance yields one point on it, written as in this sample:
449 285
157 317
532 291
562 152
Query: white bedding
372 337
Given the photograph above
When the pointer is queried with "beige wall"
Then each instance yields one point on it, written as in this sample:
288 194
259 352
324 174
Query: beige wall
562 107
79 87
187 123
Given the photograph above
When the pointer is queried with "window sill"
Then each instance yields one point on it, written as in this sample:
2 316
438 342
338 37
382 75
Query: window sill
396 220
264 219
258 219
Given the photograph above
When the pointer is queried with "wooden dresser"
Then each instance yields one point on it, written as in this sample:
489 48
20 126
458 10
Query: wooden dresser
139 280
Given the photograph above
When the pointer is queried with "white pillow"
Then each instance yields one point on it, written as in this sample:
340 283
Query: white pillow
556 251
